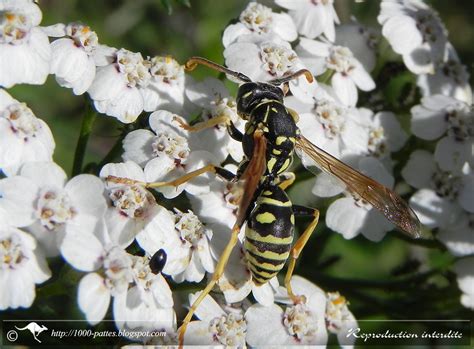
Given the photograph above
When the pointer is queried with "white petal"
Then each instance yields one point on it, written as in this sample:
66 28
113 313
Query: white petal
233 32
419 169
427 124
44 174
107 84
345 89
283 26
466 195
86 193
127 169
362 79
137 146
93 297
344 217
451 155
17 198
263 294
208 309
82 251
402 33
434 211
273 333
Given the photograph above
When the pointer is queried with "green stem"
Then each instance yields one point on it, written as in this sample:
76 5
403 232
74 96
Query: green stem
87 122
324 79
114 152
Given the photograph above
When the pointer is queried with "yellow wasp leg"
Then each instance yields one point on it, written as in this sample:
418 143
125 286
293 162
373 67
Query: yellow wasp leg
175 183
215 277
222 119
296 250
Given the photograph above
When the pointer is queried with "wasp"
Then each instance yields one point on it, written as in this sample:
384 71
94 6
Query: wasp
270 139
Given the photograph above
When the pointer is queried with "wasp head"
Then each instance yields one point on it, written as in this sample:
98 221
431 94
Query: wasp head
251 94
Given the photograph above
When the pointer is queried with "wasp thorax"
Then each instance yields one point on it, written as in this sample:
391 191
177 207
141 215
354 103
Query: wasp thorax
251 94
229 329
299 321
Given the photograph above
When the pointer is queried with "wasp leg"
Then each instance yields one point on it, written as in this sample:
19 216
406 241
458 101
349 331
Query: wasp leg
215 277
205 124
299 245
234 132
221 172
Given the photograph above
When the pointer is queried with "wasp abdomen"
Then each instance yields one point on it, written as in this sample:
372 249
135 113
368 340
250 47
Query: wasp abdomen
269 234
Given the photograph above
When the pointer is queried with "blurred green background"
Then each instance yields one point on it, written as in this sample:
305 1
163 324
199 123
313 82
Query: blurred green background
145 26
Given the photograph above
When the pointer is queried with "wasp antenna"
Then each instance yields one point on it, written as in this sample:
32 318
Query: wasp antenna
300 72
193 62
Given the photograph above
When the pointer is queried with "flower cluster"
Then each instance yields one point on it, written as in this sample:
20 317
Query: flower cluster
98 221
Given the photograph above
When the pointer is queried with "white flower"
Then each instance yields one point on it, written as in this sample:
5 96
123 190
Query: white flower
266 58
40 200
351 216
73 57
262 59
117 87
131 206
450 78
25 52
220 205
258 19
24 137
348 73
442 115
385 134
166 86
95 289
215 326
312 17
165 154
339 319
22 266
296 324
148 302
463 269
442 194
186 242
361 40
212 96
415 31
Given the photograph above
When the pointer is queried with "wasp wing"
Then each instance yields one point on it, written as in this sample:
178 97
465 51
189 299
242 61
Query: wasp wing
390 204
252 174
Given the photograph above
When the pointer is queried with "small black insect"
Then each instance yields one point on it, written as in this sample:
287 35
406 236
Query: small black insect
158 261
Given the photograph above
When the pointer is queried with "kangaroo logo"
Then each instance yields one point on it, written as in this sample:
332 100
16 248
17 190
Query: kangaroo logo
34 328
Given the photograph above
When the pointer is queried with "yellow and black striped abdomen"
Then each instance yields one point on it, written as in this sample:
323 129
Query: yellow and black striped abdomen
269 234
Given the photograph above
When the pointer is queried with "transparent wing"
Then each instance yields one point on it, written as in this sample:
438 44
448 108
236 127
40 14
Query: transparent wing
390 204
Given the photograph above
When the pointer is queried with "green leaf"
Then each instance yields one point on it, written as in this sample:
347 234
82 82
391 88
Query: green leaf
167 5
186 3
